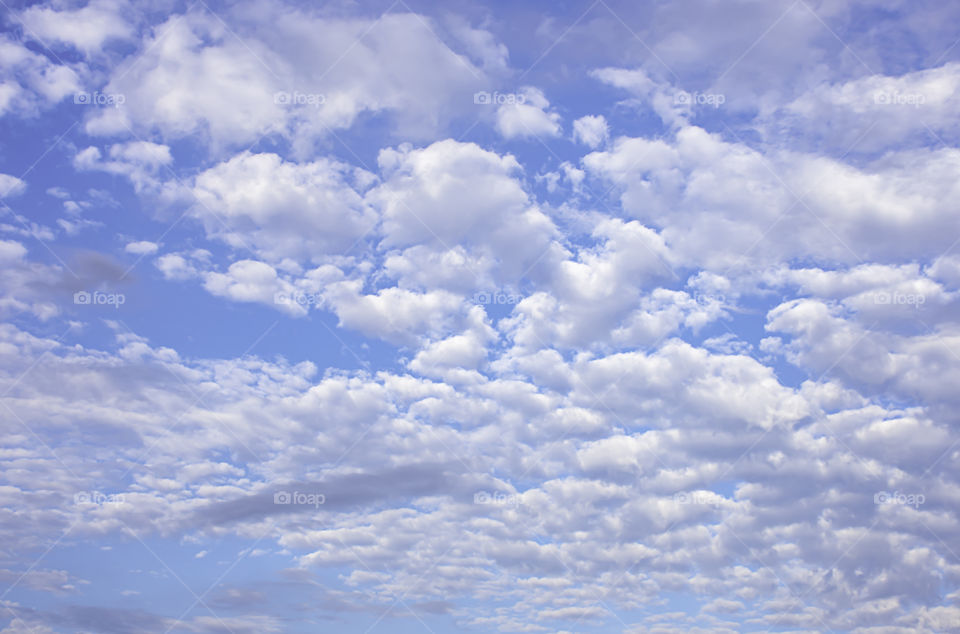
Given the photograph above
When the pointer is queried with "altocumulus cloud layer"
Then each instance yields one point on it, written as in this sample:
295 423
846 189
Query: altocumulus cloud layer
482 317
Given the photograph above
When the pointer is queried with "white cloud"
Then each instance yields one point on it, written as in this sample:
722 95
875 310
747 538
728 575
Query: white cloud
395 314
194 76
589 297
142 247
246 281
11 186
728 207
29 81
591 130
568 408
26 286
143 162
282 209
452 194
175 266
87 28
873 113
527 116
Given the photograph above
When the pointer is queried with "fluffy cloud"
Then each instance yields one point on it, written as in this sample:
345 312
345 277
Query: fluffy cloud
662 428
527 116
690 368
591 130
27 286
453 194
303 211
141 247
87 28
874 113
142 162
29 81
726 206
11 185
594 296
196 75
395 314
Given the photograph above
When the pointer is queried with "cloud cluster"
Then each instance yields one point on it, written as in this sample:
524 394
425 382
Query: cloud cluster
381 320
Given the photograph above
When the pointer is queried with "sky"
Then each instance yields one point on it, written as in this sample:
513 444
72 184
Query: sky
400 316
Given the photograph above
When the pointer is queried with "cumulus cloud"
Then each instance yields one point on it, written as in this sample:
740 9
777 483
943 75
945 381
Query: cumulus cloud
733 207
282 209
31 82
11 185
591 130
874 113
142 162
141 247
452 194
87 28
196 75
527 116
310 318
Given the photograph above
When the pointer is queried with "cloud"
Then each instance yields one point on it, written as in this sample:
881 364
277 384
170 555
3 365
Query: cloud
28 286
194 76
591 130
142 247
589 296
303 211
30 82
395 314
527 116
88 28
691 368
245 281
729 207
677 419
452 194
873 113
11 186
142 162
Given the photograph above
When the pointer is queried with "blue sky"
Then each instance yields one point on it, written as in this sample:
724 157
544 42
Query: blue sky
479 317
